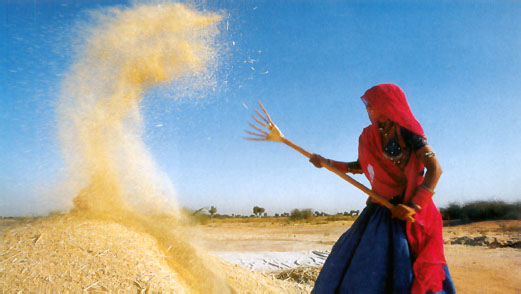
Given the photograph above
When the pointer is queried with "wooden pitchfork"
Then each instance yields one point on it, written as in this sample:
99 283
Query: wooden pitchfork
272 133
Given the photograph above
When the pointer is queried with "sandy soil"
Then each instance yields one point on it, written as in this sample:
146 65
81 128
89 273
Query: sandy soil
475 269
480 267
266 236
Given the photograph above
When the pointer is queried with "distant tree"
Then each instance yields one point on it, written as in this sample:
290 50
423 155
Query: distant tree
212 211
265 214
354 212
277 215
199 210
258 211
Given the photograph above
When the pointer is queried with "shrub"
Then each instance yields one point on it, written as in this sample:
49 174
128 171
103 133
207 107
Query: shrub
453 211
482 210
297 214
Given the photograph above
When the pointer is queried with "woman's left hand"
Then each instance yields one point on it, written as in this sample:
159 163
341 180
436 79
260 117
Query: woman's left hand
317 160
403 212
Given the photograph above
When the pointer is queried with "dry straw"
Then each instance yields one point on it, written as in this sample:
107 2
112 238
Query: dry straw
73 253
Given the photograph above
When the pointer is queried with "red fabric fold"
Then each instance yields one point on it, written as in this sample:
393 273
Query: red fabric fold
422 196
388 180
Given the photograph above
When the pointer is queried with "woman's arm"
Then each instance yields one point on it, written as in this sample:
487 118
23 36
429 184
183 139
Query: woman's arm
425 191
427 156
354 167
345 167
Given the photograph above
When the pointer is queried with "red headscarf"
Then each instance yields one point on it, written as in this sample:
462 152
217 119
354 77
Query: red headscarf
389 100
388 180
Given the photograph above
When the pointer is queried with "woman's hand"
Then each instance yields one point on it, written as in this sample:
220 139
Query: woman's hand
403 212
317 160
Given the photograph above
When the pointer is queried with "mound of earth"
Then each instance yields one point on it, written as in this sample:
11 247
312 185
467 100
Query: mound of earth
68 253
493 234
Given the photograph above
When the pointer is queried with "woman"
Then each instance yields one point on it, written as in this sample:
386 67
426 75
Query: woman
383 252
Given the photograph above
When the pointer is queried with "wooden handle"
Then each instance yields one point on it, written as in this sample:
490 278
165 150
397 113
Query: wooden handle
352 181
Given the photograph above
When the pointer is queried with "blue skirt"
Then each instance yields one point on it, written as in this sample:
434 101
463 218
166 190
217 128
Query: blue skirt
372 257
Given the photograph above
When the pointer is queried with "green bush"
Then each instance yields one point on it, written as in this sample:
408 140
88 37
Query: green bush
297 214
201 219
196 216
482 210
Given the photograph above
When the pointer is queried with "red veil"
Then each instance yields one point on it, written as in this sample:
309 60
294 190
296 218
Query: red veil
387 179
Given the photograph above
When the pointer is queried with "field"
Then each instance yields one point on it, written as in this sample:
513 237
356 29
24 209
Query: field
102 256
477 267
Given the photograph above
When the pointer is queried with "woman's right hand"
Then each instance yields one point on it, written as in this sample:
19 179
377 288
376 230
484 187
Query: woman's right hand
317 160
403 212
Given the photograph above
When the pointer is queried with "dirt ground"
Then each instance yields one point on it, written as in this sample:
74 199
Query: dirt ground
475 269
481 266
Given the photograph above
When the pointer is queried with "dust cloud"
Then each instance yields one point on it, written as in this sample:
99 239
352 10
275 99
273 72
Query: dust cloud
111 174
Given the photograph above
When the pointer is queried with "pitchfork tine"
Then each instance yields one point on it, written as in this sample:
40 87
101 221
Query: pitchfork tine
254 139
263 124
253 126
267 115
261 116
255 134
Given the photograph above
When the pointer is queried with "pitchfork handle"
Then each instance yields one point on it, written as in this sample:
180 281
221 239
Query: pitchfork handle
355 183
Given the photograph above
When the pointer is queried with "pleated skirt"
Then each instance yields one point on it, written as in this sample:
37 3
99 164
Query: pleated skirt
372 257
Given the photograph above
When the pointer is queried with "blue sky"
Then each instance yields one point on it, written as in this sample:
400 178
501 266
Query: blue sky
459 63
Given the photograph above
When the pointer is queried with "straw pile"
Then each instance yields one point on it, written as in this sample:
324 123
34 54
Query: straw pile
304 275
72 253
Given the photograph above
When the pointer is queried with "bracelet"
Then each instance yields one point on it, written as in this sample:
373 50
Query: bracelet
415 206
422 196
427 188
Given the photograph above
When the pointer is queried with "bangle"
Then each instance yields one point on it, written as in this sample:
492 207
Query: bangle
415 206
422 196
427 188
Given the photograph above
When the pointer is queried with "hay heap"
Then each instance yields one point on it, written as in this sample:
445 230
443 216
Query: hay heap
72 253
69 253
